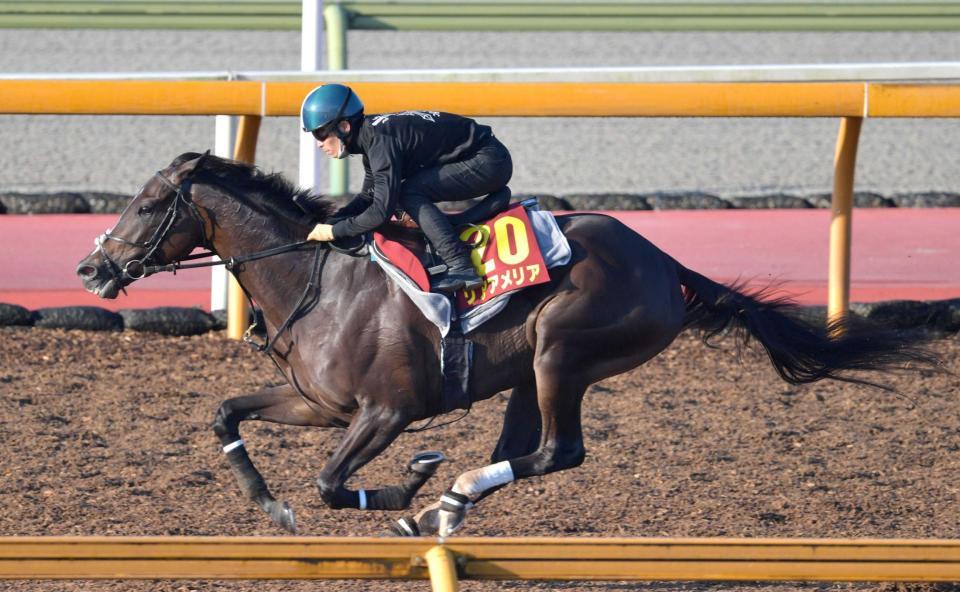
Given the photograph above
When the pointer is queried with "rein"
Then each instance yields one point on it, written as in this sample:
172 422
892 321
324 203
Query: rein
137 269
230 263
314 284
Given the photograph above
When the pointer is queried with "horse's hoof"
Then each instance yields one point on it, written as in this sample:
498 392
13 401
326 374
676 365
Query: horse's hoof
405 527
283 516
428 522
426 463
449 522
453 510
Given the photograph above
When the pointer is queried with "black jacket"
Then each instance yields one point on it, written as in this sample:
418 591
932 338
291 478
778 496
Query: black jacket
395 146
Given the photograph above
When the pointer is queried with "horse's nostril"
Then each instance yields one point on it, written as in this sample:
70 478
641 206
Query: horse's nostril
86 272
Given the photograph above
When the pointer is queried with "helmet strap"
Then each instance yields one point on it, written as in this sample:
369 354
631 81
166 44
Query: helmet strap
342 136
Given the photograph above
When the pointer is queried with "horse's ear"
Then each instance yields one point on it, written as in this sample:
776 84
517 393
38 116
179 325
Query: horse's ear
187 168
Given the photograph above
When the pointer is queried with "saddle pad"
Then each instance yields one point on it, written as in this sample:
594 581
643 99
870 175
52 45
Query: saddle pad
403 259
555 251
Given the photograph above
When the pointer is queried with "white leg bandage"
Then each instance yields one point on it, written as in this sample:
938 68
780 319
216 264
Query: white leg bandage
362 494
473 483
232 446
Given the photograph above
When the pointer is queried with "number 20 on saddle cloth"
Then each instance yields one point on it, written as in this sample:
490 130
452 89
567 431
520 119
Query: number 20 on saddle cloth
513 250
507 255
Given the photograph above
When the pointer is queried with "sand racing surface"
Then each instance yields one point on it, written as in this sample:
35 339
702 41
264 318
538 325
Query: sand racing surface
108 434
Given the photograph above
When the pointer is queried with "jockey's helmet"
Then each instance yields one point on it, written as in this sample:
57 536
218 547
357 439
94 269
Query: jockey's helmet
328 105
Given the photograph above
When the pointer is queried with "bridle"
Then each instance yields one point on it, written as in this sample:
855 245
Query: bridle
136 269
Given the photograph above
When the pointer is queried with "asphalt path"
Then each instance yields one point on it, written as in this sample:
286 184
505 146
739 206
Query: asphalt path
898 254
551 155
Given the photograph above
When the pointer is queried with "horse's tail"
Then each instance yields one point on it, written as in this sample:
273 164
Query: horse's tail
802 351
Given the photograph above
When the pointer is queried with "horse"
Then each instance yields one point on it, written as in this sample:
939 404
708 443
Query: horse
357 354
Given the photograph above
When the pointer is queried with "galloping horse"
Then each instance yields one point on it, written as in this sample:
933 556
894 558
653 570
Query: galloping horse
359 355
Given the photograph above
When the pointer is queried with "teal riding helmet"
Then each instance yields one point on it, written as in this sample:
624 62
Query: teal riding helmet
329 104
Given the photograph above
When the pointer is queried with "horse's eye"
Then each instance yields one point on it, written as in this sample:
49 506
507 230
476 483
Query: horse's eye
143 211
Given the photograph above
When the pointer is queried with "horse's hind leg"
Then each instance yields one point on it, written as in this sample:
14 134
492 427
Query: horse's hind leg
279 404
521 425
560 447
519 436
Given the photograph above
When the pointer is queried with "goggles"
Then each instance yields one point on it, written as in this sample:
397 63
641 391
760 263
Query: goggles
322 133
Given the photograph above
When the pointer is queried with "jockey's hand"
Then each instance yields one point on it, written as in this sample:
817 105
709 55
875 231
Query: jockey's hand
404 219
321 232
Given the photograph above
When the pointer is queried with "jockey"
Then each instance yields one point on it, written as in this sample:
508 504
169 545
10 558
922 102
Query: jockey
411 161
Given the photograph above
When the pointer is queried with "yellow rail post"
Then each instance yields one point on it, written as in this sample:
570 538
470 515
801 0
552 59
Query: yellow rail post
443 569
245 150
841 222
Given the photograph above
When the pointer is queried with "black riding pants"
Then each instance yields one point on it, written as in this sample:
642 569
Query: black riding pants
485 172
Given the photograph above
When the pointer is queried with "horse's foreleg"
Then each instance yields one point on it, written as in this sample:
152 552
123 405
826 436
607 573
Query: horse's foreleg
369 434
279 404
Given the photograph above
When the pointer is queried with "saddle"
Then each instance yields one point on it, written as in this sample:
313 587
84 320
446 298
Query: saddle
404 231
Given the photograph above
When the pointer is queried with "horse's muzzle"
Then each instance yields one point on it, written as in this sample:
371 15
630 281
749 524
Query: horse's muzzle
86 271
98 280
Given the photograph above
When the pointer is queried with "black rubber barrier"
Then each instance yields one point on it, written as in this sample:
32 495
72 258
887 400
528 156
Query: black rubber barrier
941 315
168 320
938 316
686 201
777 200
930 199
88 318
51 203
113 203
12 314
604 201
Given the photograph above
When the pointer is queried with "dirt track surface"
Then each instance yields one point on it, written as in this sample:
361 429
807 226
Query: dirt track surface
109 434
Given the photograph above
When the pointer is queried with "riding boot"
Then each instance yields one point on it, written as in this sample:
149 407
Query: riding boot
461 274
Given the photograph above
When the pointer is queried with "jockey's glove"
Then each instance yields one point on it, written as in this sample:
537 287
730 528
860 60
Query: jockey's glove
321 232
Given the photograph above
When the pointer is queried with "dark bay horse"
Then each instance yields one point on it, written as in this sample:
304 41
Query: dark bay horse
359 355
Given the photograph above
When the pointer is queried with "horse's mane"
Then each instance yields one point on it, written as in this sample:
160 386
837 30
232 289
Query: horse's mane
271 193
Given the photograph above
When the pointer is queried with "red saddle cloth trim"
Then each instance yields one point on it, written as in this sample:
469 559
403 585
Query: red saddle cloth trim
403 259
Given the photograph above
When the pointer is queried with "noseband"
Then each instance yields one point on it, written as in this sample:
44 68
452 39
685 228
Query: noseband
136 269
